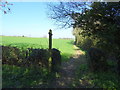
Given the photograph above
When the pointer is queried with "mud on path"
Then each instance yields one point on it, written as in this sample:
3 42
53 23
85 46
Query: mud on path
67 72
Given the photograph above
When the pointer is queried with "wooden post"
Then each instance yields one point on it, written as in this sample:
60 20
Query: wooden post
50 47
50 39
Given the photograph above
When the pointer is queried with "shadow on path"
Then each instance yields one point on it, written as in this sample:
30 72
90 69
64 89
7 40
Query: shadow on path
67 72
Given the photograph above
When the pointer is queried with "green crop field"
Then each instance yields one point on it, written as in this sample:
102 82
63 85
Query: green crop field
64 45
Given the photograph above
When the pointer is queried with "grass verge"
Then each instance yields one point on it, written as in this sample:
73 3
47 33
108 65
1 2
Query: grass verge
87 79
21 77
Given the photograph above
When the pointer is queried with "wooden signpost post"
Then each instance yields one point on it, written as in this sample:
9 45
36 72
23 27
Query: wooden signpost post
50 39
50 47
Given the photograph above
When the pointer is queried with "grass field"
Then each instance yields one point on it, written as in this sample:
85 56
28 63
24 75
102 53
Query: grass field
20 77
65 46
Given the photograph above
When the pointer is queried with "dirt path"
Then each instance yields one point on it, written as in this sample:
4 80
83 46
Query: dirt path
67 72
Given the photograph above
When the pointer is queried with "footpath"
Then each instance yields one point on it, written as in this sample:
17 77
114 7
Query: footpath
67 71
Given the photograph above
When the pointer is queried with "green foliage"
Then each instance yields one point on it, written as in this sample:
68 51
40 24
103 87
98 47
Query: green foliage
101 24
98 60
86 43
12 55
20 77
112 63
38 57
34 57
87 79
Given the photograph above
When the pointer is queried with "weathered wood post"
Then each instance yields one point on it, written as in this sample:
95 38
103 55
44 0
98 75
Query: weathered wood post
50 39
50 48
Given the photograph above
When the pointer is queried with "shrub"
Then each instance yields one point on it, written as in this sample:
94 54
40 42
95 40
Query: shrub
31 57
38 57
98 59
87 43
56 60
12 55
15 56
84 43
86 79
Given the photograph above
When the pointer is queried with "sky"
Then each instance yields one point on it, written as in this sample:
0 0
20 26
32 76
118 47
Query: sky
30 19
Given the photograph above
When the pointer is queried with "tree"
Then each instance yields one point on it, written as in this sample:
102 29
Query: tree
4 6
94 19
65 13
102 22
99 20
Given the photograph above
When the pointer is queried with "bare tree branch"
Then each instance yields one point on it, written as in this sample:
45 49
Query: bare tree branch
4 6
65 14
